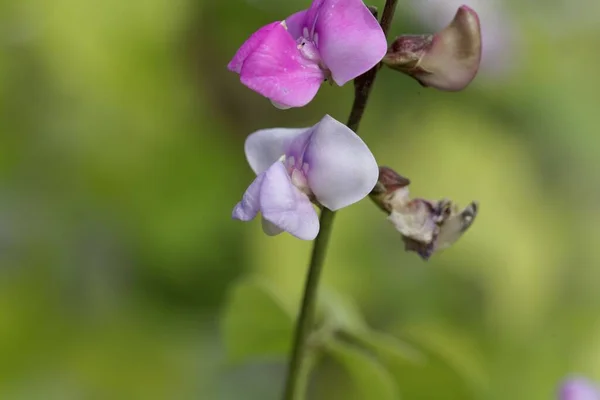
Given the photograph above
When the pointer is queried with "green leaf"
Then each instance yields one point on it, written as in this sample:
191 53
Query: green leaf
422 368
454 350
340 311
368 377
387 347
423 373
256 322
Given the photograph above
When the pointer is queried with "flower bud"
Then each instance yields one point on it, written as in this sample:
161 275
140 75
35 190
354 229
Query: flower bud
447 60
426 226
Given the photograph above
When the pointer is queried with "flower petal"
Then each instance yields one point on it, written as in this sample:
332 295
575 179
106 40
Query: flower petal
579 389
296 23
285 206
277 70
349 38
341 169
249 46
266 146
270 228
312 14
247 209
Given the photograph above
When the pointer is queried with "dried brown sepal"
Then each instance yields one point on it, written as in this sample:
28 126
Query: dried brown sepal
388 186
388 183
391 180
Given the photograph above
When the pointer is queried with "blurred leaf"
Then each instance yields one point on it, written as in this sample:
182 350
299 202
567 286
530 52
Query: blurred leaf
445 363
256 322
340 311
387 346
418 371
423 381
454 348
369 378
343 317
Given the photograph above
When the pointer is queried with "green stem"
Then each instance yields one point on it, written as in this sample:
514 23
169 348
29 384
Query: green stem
298 369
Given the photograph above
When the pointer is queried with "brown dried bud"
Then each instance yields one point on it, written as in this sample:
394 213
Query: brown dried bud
388 184
426 226
447 60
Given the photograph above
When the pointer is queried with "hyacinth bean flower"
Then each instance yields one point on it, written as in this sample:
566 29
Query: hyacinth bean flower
287 61
327 164
578 389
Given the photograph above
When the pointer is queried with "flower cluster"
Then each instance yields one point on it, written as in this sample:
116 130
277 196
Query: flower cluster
328 165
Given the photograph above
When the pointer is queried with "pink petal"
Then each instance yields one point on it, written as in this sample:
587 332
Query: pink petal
312 14
296 23
349 38
285 206
249 46
277 70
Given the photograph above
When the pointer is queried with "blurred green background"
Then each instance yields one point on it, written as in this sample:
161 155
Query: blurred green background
121 157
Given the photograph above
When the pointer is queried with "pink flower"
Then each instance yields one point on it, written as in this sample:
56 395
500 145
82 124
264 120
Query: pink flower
327 164
578 389
287 61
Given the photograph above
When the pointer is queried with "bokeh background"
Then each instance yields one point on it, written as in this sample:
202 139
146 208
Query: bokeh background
121 157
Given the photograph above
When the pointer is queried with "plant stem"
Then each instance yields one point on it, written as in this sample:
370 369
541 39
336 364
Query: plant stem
298 373
297 363
364 83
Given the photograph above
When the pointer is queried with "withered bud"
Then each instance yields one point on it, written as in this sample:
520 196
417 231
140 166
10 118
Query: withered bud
389 184
426 226
447 60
